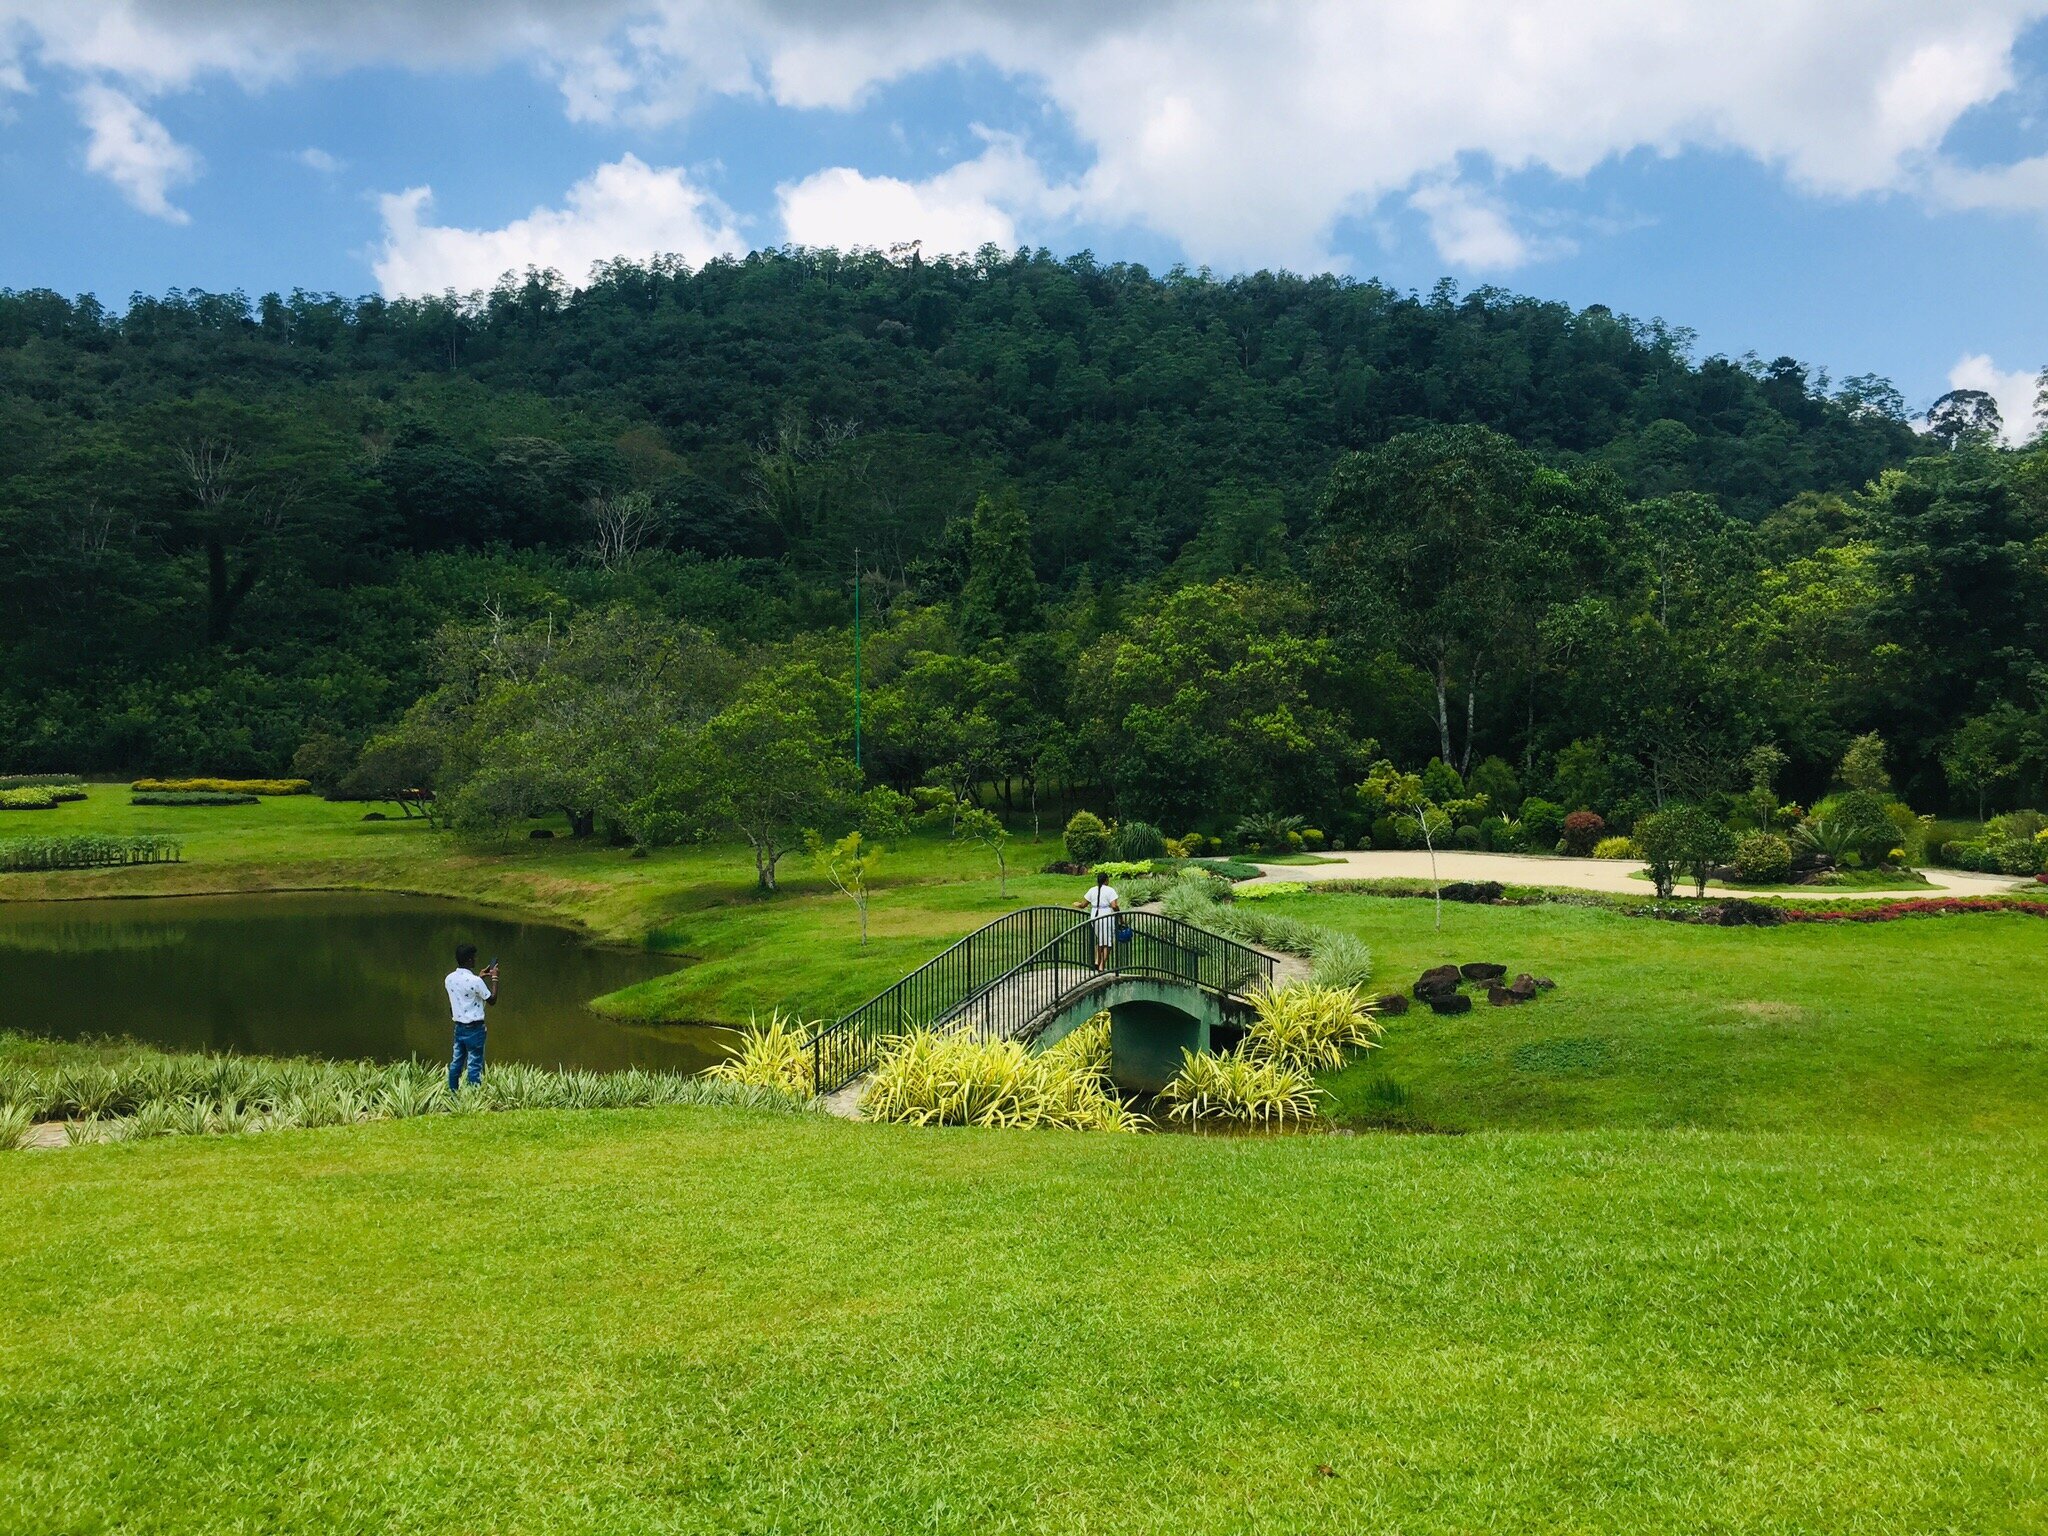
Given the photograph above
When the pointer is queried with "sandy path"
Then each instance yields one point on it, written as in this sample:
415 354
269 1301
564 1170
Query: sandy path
1585 874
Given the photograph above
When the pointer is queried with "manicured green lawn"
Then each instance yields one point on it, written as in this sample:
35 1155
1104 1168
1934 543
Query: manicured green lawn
1927 1024
703 1321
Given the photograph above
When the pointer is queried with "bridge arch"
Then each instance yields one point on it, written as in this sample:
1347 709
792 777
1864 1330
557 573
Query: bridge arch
1151 1021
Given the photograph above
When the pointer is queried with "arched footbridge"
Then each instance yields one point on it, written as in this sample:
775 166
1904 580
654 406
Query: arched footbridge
1030 976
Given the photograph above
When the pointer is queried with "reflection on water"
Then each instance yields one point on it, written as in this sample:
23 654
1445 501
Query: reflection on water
338 975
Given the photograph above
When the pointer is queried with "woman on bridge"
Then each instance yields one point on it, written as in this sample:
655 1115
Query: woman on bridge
1101 904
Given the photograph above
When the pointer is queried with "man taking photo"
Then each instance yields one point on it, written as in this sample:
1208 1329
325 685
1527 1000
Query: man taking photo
470 992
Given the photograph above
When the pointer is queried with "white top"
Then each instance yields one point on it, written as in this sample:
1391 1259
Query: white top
467 995
1102 900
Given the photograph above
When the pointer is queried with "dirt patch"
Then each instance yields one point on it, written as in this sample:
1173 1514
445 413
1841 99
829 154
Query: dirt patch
1756 1013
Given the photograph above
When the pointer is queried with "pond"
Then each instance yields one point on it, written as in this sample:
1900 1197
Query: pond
343 975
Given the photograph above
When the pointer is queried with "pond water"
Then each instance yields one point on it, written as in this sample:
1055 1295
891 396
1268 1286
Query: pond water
345 975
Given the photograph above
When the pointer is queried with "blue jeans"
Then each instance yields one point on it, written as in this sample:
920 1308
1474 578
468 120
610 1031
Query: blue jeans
469 1047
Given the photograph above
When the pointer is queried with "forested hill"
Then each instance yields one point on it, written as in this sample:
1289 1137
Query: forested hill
225 521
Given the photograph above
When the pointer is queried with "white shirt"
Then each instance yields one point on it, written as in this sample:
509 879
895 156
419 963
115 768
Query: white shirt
1102 900
467 995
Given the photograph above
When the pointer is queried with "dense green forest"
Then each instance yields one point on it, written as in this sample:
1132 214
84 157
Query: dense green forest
1184 547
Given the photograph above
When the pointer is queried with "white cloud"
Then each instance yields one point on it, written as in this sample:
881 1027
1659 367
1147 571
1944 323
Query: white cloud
626 208
1471 228
1244 132
134 151
314 158
961 209
2013 390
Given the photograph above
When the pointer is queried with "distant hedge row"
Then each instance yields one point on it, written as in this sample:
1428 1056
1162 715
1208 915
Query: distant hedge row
189 797
223 786
86 850
41 781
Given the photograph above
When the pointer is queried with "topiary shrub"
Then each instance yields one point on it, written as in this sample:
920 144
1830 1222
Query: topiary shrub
1136 840
1581 831
1763 858
1312 839
1542 822
1471 839
1615 848
1862 820
1086 838
1407 832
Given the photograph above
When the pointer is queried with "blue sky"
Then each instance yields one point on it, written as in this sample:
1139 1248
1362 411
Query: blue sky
1864 186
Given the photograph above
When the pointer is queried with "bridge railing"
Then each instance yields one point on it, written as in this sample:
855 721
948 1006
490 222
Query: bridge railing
1001 979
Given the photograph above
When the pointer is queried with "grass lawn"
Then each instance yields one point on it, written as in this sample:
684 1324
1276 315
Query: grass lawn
709 1321
1742 1231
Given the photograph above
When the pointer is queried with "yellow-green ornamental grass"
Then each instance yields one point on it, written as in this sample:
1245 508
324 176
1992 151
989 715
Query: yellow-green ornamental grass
772 1055
1296 1032
930 1079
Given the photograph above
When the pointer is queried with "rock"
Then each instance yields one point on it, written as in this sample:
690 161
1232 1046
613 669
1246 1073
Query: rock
1473 890
1449 1002
540 834
1393 1005
1441 978
1738 913
375 816
1544 984
1502 997
1523 986
1482 970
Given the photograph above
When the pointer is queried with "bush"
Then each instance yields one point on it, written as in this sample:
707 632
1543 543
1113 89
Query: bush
1763 858
2016 857
223 786
1386 832
2015 826
1471 839
1267 831
928 1079
28 798
42 781
1135 840
1407 832
1864 823
1504 836
1312 839
1441 782
1615 848
772 1055
1238 1087
1581 831
323 760
1086 838
1308 1027
1193 844
1497 782
1542 823
190 797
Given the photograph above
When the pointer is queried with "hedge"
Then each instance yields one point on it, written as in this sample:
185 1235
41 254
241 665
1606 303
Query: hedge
224 786
86 850
189 797
42 781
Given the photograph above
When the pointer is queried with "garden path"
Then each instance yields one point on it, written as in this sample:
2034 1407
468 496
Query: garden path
1612 875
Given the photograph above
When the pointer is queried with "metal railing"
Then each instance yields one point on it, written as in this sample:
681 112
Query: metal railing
1002 980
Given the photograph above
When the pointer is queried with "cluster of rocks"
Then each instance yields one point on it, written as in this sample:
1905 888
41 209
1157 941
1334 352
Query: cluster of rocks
1441 987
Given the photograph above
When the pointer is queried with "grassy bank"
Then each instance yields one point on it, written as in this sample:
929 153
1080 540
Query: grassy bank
705 1321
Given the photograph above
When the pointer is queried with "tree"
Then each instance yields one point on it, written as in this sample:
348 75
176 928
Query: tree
1404 793
850 865
1983 753
1001 593
1964 418
1419 546
767 767
621 525
1679 839
986 828
1863 765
